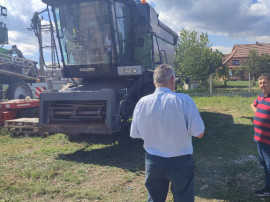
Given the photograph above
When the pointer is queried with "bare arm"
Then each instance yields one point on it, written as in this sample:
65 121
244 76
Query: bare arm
201 135
253 107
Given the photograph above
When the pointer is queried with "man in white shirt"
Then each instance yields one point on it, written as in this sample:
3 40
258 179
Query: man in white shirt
166 121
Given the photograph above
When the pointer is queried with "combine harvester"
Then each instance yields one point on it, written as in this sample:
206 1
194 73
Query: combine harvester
111 47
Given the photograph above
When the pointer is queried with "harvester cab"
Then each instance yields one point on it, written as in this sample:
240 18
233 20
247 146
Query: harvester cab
112 48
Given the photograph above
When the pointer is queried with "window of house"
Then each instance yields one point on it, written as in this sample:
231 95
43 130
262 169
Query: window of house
235 62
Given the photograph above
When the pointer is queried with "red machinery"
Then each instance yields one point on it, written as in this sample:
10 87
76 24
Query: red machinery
13 108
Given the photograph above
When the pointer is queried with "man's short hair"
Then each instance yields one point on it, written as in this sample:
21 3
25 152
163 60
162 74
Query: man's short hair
163 73
264 76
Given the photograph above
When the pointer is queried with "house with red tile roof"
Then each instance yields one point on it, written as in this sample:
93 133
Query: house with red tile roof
239 54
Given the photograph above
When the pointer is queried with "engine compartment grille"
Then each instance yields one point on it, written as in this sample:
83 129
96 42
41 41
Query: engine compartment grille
77 111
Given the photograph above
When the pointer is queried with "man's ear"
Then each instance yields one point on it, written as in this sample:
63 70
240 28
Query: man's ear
173 83
154 84
173 80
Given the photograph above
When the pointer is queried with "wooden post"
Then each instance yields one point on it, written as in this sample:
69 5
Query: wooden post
249 84
211 83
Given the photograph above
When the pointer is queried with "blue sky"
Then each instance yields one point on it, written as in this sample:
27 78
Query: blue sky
227 22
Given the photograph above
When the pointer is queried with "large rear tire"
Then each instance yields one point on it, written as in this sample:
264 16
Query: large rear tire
18 90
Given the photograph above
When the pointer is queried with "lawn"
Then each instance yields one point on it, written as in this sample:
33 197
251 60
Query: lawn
102 168
232 88
227 163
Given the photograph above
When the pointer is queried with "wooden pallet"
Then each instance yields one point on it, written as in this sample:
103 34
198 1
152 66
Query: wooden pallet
22 126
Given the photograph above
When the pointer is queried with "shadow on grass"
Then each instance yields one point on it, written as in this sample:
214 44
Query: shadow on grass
24 135
227 168
118 151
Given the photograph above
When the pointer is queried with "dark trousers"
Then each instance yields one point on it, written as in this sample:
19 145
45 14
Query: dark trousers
264 155
161 171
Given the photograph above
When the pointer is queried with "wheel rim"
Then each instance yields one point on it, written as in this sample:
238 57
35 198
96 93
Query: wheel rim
21 92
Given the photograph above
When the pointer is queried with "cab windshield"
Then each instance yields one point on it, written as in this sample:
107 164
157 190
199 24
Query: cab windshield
85 33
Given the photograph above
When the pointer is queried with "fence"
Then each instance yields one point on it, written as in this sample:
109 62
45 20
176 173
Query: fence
233 88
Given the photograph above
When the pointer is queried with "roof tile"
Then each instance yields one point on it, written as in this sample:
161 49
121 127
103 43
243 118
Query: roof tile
242 50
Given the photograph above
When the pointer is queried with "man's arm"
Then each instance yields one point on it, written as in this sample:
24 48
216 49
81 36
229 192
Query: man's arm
201 135
253 107
194 120
134 132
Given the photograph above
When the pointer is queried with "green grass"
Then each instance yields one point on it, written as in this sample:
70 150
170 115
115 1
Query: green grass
232 88
102 168
56 169
227 164
240 83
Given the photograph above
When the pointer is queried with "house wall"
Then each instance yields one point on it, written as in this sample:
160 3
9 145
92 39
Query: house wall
232 67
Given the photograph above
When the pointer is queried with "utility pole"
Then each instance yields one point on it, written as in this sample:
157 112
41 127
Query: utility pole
38 28
41 59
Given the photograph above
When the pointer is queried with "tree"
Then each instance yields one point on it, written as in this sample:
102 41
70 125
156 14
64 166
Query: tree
195 57
256 64
264 64
251 65
223 73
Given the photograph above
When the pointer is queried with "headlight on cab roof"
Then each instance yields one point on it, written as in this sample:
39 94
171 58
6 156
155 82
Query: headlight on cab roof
129 70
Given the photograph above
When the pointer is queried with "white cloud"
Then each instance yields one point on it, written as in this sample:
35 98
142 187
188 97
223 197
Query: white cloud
19 15
235 18
28 47
16 36
13 35
224 50
257 9
262 39
262 8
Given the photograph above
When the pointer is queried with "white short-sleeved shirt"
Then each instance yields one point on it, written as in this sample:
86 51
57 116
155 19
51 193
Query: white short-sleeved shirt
166 121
